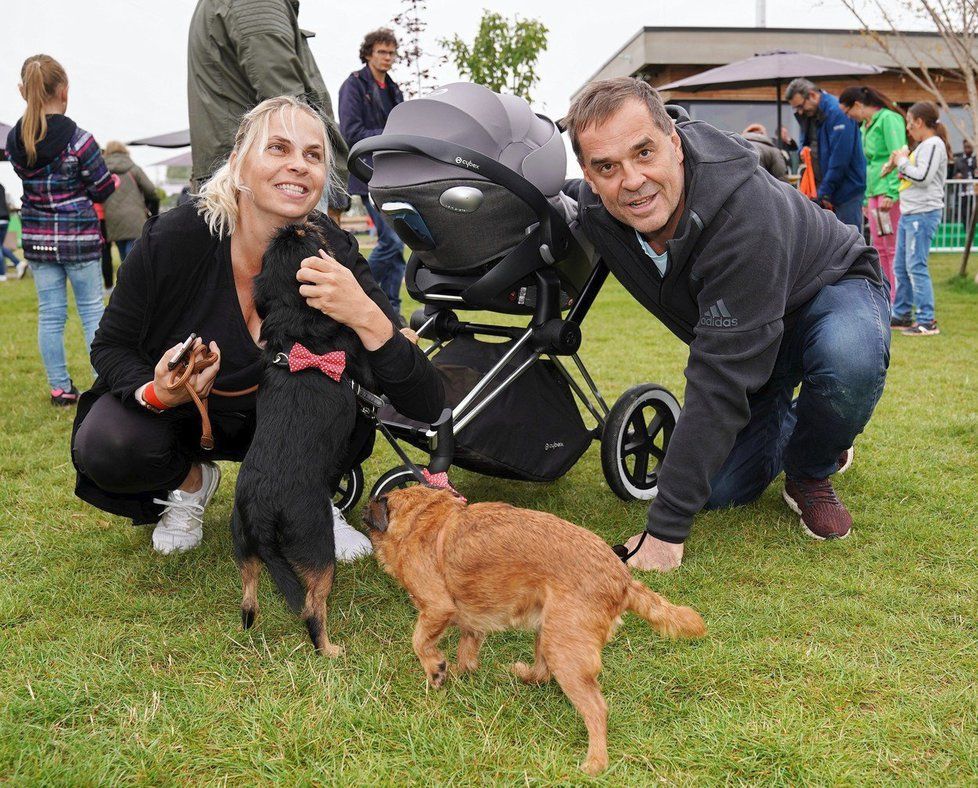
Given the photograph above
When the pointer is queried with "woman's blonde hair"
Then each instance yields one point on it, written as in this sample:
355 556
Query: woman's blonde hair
41 77
114 146
218 198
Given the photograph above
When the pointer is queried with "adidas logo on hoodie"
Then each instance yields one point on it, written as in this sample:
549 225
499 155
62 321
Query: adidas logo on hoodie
718 316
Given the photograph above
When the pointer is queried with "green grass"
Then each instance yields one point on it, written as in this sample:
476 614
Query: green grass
848 662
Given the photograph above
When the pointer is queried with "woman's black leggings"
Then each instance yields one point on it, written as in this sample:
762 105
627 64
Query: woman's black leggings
128 450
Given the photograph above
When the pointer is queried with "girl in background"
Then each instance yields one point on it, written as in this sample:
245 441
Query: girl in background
63 174
882 128
923 174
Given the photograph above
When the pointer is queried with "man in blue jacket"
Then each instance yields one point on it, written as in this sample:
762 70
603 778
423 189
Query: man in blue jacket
366 99
837 150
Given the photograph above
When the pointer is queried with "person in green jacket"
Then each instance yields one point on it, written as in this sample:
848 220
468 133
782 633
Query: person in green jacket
239 53
883 130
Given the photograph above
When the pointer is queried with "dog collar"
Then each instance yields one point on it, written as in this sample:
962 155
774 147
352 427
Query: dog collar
331 364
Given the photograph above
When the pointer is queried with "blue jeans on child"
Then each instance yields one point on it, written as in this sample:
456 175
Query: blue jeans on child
838 347
50 279
386 261
913 286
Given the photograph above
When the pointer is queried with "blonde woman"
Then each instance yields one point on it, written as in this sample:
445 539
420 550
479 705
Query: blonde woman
63 174
135 444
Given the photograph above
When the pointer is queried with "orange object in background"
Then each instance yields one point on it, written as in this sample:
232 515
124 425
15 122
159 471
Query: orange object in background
807 184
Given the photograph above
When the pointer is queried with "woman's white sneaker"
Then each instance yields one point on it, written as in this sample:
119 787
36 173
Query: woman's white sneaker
181 526
349 543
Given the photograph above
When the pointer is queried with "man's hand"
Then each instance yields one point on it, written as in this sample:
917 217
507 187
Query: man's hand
885 203
331 287
655 554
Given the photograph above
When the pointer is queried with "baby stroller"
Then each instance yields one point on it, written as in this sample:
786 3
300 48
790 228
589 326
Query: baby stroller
468 179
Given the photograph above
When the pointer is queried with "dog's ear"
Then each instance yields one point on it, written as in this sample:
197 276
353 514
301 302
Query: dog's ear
376 513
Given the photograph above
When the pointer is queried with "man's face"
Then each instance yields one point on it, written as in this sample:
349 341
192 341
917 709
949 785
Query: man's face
968 150
805 105
382 57
635 168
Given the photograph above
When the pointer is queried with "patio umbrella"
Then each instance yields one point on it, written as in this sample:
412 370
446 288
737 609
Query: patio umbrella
180 160
767 67
174 139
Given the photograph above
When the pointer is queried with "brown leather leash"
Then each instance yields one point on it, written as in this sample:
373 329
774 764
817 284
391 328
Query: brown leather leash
199 359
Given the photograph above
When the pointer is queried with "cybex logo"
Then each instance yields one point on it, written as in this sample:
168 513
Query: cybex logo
470 164
552 446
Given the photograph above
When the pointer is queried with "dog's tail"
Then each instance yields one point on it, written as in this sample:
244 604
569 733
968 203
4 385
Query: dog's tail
666 618
285 578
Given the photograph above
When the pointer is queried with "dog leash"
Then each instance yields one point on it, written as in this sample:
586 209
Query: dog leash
622 552
199 359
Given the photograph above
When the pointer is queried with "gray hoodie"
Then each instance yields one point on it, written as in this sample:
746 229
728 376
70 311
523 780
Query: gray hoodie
748 252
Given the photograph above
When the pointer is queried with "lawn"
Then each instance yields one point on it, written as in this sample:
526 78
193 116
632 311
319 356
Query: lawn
826 663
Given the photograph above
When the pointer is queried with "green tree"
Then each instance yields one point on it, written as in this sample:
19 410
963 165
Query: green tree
504 54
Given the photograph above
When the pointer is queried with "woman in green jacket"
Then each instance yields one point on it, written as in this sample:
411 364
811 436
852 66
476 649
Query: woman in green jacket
883 129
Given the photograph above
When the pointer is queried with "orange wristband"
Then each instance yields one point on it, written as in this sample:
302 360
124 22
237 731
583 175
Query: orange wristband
149 394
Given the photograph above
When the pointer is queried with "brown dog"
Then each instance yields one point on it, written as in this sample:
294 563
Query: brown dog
490 567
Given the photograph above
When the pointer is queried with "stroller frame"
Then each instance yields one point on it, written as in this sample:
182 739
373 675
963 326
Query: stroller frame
623 429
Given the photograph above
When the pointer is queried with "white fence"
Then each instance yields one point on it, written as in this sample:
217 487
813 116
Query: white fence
959 202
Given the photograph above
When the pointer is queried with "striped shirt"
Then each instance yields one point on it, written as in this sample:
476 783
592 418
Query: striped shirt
59 222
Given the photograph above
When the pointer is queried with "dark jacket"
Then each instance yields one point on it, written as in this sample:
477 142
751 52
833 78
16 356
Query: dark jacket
841 166
749 250
239 53
771 157
362 112
58 221
160 277
126 210
4 208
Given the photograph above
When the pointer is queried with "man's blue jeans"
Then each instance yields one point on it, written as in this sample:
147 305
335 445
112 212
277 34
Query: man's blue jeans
386 261
7 253
50 280
851 212
838 348
913 285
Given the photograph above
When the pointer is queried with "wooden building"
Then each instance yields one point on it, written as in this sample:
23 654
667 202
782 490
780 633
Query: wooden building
662 55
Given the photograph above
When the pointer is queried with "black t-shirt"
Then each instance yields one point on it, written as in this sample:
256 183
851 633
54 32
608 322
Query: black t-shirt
215 315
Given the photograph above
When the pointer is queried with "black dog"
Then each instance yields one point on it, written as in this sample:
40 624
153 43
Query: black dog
282 515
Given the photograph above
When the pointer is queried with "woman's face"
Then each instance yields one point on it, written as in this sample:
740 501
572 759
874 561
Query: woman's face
859 112
915 128
285 178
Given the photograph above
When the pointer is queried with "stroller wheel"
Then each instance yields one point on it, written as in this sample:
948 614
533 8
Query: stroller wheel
635 438
397 478
349 489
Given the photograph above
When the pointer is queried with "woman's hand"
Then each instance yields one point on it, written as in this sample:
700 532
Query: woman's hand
885 203
332 288
201 382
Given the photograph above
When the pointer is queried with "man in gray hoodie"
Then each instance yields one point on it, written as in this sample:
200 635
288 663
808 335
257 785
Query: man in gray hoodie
767 289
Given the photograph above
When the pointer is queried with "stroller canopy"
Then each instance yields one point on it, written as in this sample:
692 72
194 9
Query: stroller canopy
501 127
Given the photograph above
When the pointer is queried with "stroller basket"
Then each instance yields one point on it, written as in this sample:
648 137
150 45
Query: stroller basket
532 431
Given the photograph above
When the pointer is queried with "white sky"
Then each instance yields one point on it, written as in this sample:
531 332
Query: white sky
126 59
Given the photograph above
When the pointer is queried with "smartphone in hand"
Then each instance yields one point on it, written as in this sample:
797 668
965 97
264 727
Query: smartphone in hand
183 351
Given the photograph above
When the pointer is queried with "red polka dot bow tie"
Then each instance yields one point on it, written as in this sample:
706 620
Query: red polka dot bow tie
331 364
441 480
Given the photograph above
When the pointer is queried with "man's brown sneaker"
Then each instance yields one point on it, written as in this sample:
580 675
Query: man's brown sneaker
822 514
845 460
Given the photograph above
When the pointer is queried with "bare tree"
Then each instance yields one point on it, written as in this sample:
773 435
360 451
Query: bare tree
410 25
956 21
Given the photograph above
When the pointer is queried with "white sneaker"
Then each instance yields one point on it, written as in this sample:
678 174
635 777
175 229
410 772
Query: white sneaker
3 277
181 526
350 543
21 269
